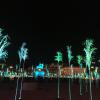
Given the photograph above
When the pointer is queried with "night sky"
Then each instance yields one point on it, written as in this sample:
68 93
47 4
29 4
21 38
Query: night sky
45 29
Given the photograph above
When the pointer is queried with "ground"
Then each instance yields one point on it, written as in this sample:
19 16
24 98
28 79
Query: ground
45 90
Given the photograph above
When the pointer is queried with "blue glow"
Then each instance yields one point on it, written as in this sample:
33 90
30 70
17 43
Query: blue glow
40 66
39 71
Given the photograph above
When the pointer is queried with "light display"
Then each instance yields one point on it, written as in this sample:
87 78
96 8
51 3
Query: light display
89 50
69 54
3 45
58 58
66 71
23 55
56 72
39 71
69 61
23 52
79 60
40 66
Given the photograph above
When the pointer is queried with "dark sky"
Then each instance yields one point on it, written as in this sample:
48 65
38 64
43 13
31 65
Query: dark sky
47 29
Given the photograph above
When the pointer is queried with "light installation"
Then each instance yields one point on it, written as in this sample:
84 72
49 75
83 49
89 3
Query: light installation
69 52
39 72
23 52
23 55
89 50
58 58
79 60
3 45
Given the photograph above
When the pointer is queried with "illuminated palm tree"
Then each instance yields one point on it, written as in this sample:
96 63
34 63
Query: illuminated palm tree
58 58
3 45
89 50
79 60
23 55
69 61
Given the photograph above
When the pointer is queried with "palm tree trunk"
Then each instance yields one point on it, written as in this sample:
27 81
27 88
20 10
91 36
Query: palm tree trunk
16 89
69 86
86 80
69 90
80 80
90 84
17 85
58 97
20 97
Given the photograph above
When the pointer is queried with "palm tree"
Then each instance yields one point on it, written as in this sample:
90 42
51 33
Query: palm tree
89 50
3 45
58 58
79 60
69 61
23 55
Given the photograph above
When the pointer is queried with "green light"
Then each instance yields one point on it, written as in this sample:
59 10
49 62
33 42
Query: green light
58 58
79 60
89 50
69 54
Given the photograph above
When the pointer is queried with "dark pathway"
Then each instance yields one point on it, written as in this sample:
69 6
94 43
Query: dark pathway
45 90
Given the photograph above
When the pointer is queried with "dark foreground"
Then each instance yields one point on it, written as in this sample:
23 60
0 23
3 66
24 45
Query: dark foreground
45 90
